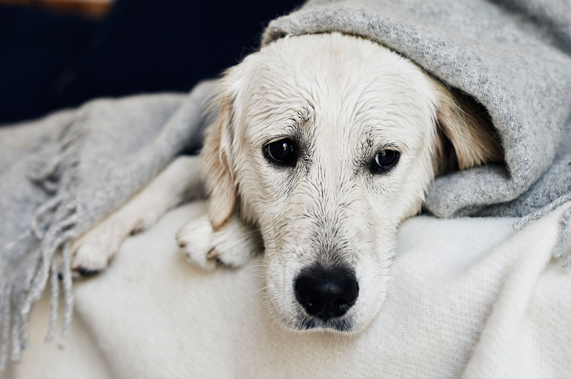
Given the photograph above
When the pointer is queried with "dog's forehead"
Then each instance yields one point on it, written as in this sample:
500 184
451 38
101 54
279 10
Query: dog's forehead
344 89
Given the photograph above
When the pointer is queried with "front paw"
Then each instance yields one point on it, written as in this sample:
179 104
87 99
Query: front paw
92 252
195 239
233 245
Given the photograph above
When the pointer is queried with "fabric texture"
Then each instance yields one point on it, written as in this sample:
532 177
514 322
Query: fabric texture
467 297
62 174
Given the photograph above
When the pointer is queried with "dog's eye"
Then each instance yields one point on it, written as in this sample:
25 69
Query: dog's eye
282 152
384 161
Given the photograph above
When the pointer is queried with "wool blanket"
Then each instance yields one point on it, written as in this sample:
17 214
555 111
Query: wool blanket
467 297
62 174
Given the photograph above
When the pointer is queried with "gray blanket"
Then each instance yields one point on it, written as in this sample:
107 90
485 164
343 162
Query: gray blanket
61 174
512 56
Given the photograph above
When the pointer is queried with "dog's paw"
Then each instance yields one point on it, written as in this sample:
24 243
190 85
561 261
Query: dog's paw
233 245
195 238
91 253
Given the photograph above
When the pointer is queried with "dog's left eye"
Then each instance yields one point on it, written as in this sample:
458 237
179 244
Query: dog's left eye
282 152
384 161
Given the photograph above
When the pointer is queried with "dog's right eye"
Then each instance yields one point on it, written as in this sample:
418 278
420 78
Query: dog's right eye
384 161
282 152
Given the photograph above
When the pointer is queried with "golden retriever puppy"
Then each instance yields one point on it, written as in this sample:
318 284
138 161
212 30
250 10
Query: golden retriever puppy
323 145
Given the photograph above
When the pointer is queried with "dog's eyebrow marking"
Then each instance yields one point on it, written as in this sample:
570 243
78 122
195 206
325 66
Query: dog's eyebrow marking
367 150
369 142
364 151
291 122
303 117
300 127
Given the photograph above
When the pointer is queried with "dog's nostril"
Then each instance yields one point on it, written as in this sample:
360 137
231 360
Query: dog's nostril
341 304
326 292
312 304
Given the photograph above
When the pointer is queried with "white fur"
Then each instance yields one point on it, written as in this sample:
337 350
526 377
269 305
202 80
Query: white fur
233 245
180 180
345 98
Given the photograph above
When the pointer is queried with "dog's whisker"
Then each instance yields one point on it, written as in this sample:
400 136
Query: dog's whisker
255 267
259 290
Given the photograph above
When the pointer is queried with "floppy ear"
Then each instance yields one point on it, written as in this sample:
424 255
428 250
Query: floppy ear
218 166
466 136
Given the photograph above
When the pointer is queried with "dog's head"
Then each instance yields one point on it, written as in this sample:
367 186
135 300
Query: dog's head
326 143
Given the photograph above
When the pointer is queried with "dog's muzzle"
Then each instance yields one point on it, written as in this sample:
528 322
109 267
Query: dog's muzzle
326 293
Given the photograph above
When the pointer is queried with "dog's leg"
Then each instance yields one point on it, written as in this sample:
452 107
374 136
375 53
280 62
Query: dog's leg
234 244
181 180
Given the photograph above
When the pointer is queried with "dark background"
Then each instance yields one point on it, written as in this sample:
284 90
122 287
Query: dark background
51 60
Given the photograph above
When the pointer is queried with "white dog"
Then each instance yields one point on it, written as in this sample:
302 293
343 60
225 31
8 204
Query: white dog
324 144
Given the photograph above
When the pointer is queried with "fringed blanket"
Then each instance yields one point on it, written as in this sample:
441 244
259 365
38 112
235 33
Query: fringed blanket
60 175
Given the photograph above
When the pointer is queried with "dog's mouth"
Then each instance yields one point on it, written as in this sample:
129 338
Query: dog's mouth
341 324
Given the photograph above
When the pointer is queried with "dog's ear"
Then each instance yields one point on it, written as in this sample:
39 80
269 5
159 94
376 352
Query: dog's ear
216 155
466 136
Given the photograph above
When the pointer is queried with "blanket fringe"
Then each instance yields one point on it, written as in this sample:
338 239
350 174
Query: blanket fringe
53 301
54 226
5 316
561 247
67 281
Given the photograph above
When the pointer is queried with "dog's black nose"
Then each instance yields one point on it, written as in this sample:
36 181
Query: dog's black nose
326 293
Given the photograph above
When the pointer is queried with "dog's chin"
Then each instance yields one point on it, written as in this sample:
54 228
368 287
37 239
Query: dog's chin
341 324
305 323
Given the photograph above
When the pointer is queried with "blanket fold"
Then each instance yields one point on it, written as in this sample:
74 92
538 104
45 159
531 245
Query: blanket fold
71 170
62 174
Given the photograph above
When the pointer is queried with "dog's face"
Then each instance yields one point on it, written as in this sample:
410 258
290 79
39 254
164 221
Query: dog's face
326 142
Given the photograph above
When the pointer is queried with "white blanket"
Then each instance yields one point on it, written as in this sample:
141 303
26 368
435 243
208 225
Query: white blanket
467 297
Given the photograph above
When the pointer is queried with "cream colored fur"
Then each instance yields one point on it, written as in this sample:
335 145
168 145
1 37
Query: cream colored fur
343 99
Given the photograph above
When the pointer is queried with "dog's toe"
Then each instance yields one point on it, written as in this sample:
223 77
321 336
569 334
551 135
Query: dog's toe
84 272
140 226
135 231
213 254
83 268
200 258
91 257
231 246
195 240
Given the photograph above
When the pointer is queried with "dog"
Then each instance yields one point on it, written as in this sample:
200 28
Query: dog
323 145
